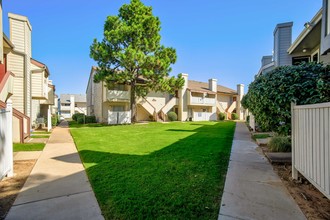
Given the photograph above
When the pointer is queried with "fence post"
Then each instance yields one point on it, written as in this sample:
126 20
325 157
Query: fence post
9 138
293 144
49 119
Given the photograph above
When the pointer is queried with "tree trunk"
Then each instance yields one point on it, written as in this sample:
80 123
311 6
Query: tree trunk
133 103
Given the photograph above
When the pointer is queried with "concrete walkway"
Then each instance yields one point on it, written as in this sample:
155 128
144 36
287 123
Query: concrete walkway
252 189
57 187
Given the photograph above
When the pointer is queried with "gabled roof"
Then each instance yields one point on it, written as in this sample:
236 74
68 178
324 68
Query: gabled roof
40 65
311 28
65 98
204 87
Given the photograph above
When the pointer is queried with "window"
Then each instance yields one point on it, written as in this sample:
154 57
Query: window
299 60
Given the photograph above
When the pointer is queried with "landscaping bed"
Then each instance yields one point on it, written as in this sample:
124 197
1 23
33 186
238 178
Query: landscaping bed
170 171
10 186
310 200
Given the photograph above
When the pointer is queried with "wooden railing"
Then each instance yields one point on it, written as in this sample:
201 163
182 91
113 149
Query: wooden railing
24 122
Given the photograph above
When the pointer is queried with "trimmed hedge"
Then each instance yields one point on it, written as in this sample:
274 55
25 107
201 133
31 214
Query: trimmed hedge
222 116
234 116
76 116
172 116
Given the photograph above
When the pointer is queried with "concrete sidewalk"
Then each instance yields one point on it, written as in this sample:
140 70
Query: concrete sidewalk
57 187
252 189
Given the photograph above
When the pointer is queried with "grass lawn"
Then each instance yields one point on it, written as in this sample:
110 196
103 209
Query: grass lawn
260 136
40 136
74 124
157 171
41 132
28 147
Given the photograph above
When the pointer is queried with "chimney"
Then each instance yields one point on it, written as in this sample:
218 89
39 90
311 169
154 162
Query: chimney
22 28
72 105
266 60
239 108
282 42
213 85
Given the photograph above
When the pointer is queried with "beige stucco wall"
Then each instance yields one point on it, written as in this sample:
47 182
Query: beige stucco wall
142 114
225 100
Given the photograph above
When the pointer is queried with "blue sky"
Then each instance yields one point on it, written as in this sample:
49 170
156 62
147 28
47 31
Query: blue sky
213 38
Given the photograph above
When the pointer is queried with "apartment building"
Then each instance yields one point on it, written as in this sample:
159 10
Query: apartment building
70 104
312 44
196 101
24 80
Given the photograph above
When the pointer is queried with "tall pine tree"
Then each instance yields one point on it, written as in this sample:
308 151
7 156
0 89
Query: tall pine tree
130 52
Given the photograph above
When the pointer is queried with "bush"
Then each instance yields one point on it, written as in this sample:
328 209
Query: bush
172 116
222 116
280 144
55 120
76 116
248 119
81 119
270 95
90 119
234 116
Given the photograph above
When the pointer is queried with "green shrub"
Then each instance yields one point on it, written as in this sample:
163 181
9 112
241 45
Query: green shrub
248 119
234 116
270 95
280 144
81 119
90 119
172 116
222 116
54 120
76 116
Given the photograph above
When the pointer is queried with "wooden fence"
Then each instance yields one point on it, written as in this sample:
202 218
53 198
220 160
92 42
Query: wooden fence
311 144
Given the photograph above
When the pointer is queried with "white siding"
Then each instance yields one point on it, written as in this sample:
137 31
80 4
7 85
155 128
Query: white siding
18 96
17 34
37 84
16 64
35 110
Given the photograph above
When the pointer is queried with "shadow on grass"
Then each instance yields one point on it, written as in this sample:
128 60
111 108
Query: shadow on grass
184 180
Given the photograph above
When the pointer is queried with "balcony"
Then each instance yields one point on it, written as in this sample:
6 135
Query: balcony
118 96
203 101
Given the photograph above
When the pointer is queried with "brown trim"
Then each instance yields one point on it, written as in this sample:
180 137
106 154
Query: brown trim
41 65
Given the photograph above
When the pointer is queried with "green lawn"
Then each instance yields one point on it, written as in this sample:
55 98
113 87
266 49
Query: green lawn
28 147
260 136
157 171
41 132
40 136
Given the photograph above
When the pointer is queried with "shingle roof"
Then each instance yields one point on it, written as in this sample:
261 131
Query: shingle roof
204 87
65 98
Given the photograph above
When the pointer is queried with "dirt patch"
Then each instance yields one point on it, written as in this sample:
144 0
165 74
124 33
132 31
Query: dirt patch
310 200
10 187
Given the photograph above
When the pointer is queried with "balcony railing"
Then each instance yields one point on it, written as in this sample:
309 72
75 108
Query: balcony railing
202 100
118 95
